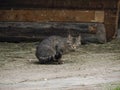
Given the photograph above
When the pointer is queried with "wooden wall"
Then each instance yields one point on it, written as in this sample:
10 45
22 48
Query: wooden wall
102 11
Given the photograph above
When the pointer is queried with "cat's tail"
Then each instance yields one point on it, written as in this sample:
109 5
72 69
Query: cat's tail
58 55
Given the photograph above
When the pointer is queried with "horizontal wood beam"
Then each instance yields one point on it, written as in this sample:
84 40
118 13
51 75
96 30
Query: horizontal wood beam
59 4
22 31
55 15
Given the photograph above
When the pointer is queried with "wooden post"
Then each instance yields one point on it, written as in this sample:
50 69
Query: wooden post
111 24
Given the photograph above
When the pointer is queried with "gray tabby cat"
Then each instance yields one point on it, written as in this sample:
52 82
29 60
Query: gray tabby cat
50 50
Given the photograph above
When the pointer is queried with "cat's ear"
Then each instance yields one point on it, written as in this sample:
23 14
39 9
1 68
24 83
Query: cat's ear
69 37
79 38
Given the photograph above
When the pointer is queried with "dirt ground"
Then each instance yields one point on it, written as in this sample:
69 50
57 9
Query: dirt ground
91 67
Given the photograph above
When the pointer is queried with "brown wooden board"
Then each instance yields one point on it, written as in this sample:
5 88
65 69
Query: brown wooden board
45 15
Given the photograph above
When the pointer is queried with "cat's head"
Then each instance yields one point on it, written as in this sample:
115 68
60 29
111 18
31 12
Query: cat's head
73 42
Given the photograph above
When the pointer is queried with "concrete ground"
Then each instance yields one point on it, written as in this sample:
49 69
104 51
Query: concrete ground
91 67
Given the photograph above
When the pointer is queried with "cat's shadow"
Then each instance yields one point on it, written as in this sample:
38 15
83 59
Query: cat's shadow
35 62
38 63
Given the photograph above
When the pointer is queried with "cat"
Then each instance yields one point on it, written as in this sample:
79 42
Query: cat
51 49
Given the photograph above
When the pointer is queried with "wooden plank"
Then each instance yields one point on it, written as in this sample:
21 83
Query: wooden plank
99 16
45 15
34 31
60 4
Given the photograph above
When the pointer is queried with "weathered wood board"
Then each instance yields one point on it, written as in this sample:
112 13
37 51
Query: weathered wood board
36 31
44 15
